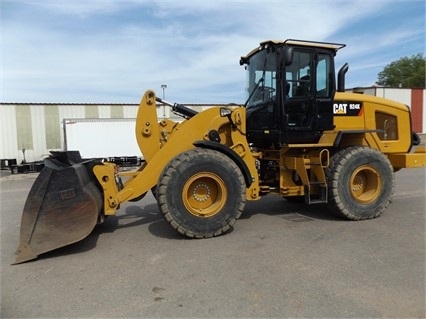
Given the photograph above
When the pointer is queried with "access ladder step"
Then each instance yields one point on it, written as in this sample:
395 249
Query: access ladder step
323 193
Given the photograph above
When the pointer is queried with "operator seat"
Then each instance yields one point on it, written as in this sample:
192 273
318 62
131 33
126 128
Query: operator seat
303 89
287 90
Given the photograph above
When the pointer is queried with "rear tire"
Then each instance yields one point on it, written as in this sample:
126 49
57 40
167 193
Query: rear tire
201 193
361 183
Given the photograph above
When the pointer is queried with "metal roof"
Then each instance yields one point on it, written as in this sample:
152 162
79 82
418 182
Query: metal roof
325 45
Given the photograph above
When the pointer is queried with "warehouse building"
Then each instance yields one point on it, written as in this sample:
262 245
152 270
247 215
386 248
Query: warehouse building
414 98
30 131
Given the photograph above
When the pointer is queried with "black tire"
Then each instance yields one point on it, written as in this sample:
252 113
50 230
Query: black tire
201 193
416 140
361 183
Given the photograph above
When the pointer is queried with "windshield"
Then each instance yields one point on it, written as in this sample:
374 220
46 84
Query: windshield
261 79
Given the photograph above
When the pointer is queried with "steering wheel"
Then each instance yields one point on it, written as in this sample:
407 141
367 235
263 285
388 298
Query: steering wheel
258 97
267 89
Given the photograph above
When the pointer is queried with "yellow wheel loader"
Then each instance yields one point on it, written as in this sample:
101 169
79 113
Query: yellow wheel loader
298 135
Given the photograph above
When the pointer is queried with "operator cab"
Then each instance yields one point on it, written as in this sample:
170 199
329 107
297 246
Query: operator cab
290 89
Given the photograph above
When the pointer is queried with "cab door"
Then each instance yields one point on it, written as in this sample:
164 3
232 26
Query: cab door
307 101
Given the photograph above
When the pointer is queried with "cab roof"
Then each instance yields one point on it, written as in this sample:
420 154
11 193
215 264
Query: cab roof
292 42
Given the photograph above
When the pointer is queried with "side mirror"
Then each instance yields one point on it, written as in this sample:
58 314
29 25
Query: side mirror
287 55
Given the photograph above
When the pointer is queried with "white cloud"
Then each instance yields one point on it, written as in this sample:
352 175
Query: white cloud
111 51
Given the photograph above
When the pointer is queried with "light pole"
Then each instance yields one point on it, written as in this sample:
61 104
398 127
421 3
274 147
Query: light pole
164 87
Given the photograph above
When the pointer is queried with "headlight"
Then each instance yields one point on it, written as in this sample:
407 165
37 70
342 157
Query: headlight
225 112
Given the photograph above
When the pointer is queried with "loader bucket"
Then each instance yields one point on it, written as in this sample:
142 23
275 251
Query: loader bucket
62 207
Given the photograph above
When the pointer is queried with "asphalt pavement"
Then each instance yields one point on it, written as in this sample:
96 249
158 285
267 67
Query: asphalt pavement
282 260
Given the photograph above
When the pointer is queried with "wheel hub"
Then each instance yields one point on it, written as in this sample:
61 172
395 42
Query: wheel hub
204 194
201 192
365 184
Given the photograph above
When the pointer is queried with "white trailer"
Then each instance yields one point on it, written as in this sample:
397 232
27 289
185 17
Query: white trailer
101 137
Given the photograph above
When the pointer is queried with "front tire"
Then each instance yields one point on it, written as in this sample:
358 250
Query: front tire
361 183
201 193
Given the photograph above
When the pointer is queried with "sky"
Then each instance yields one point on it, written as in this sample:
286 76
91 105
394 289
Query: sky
112 51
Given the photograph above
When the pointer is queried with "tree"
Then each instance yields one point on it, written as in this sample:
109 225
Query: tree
405 72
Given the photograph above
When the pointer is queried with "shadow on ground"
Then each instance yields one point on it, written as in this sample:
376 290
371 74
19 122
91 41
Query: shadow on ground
135 216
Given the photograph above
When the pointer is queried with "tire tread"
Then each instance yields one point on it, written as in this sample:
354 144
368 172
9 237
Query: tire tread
167 175
337 166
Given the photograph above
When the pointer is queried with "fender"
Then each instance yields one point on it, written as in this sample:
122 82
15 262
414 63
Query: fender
231 154
341 133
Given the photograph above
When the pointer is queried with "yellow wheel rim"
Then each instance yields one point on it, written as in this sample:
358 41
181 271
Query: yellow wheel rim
365 184
204 194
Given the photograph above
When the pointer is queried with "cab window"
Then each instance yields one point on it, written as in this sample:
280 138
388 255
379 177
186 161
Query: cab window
298 75
324 80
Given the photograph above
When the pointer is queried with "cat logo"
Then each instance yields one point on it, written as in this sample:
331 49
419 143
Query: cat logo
340 108
347 108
